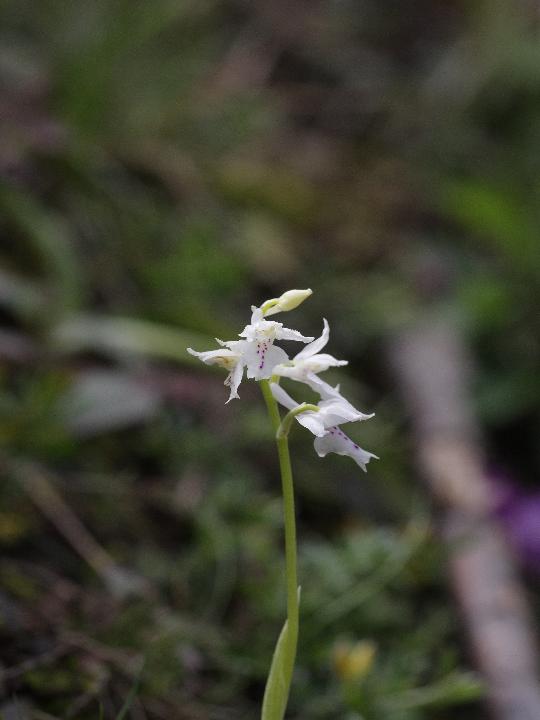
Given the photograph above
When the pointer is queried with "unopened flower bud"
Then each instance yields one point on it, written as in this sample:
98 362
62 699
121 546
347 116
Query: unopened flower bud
288 301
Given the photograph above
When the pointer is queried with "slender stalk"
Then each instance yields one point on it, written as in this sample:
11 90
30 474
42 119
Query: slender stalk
290 529
290 549
271 405
286 424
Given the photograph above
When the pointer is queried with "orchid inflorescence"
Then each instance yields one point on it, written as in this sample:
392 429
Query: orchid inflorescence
263 360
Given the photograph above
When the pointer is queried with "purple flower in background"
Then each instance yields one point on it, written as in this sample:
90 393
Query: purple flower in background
519 513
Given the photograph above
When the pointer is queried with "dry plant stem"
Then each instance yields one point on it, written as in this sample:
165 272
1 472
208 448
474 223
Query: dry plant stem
432 367
290 526
40 489
51 504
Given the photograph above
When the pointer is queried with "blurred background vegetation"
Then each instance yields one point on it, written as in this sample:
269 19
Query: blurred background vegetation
163 165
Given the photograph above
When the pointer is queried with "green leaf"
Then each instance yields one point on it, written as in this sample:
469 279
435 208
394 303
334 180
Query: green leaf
126 336
276 692
51 239
101 401
496 214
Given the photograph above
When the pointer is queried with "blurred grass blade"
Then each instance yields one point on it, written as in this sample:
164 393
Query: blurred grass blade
21 296
125 336
276 692
130 698
456 688
50 238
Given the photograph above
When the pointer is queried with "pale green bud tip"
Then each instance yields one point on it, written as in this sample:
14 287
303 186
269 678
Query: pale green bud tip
288 301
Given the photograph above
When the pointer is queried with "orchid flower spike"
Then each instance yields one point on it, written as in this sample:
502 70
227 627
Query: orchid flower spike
262 359
259 354
334 410
309 361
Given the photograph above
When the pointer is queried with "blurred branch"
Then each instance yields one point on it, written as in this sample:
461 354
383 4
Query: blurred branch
431 366
40 490
247 64
46 658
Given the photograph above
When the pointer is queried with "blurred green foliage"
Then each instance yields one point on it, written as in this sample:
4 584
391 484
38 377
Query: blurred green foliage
164 165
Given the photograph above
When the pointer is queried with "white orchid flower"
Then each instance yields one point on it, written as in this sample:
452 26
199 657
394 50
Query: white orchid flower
259 357
335 441
256 351
309 361
228 359
261 330
334 410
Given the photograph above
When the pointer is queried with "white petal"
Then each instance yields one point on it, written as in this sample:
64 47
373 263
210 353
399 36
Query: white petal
305 370
261 358
318 344
335 441
261 330
203 354
313 421
290 370
321 362
328 393
238 347
282 397
336 412
249 332
233 380
274 356
235 345
284 333
256 315
223 358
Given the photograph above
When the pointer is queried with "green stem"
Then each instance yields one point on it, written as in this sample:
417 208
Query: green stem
290 549
286 424
271 405
290 530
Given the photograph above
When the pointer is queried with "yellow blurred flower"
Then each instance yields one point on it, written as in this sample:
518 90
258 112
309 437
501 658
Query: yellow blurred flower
353 661
12 528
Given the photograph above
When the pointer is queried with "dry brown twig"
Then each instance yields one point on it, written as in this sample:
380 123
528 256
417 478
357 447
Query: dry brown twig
40 489
432 369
